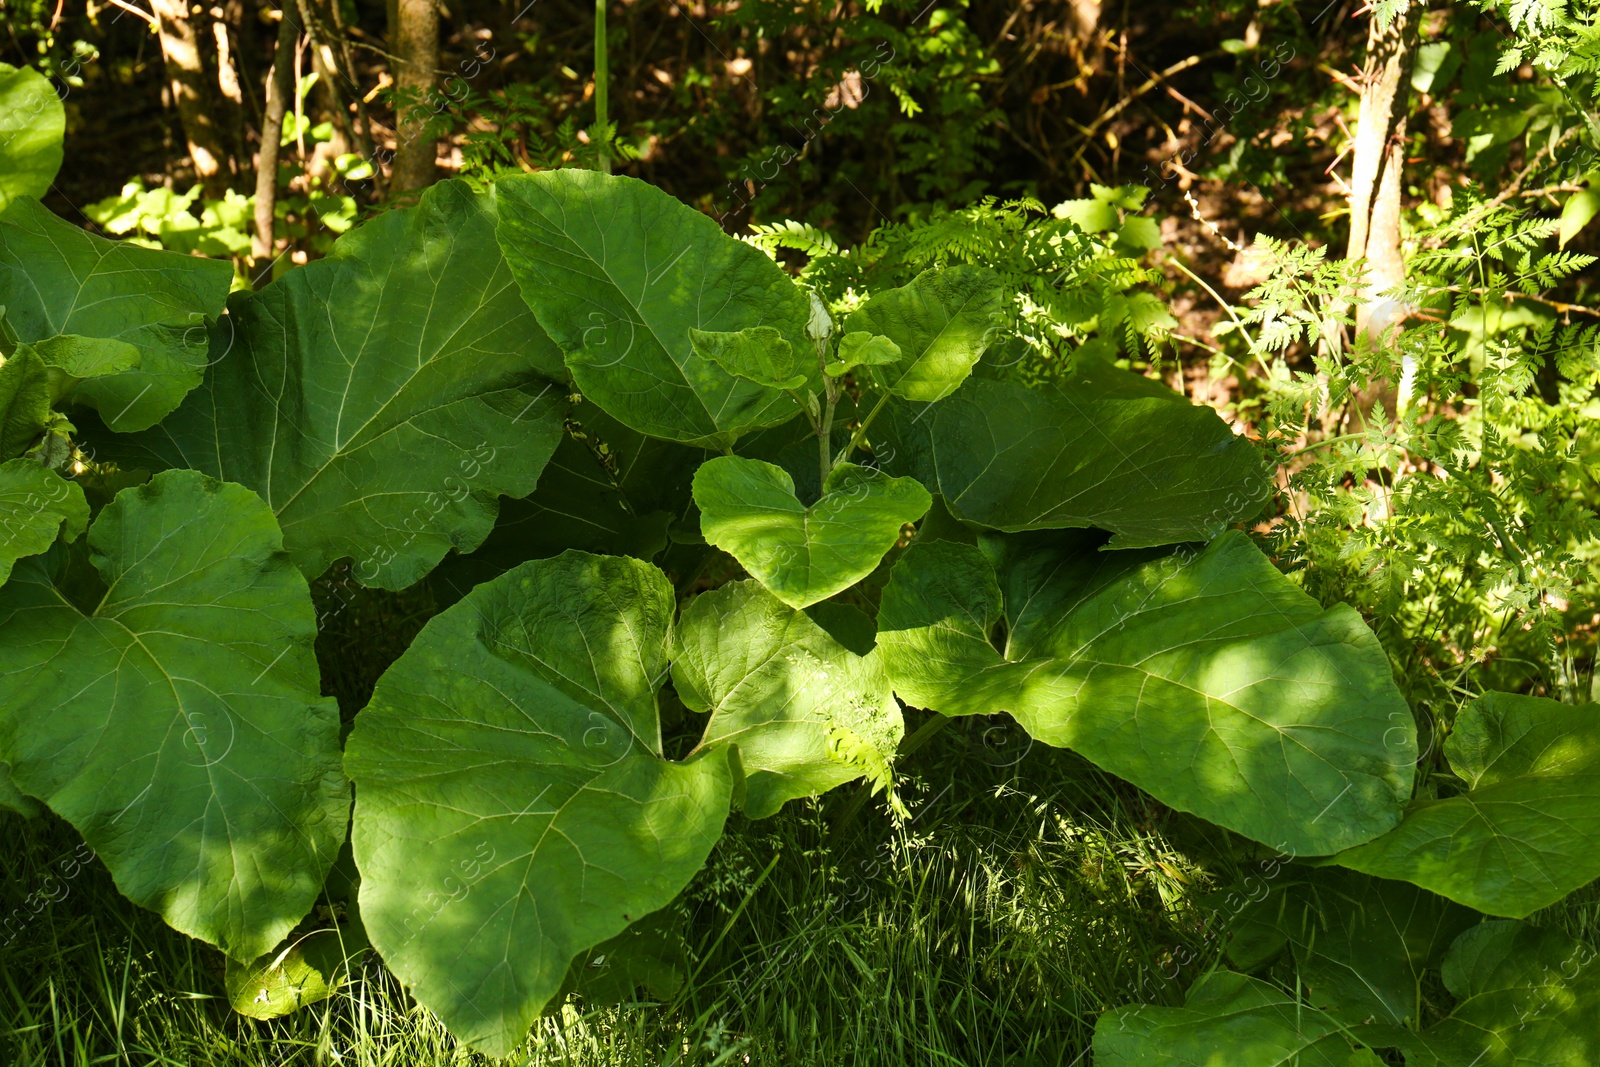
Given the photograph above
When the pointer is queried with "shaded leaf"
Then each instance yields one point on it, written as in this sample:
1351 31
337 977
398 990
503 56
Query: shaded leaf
1105 448
25 401
11 799
1363 944
1527 832
649 955
778 686
1227 1019
1525 998
175 720
36 505
608 490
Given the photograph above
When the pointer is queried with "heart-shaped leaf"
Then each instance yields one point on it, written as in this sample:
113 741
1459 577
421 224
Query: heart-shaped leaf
1206 678
941 322
388 432
758 354
57 279
169 709
512 806
804 554
618 273
36 504
806 712
1527 832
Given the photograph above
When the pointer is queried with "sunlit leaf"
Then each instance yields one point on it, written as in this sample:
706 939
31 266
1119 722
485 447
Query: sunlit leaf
941 323
387 432
804 554
32 124
58 279
618 272
1526 832
1205 678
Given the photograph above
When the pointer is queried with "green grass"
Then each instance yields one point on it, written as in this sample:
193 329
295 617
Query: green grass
991 928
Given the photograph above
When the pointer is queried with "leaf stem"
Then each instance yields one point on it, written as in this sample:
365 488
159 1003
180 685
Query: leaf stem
861 431
825 431
805 409
602 77
1255 349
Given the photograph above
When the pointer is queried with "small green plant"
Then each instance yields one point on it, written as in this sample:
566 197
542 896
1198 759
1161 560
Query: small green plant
1066 275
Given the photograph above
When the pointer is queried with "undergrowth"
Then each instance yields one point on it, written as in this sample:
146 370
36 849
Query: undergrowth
1020 899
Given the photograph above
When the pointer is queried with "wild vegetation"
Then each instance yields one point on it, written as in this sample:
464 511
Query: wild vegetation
507 556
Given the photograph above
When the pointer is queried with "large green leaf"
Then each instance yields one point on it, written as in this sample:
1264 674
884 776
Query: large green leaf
36 504
1525 997
56 279
512 808
1206 678
618 273
25 401
1362 945
941 322
804 554
387 431
1104 448
807 713
1229 1020
32 124
1527 831
172 713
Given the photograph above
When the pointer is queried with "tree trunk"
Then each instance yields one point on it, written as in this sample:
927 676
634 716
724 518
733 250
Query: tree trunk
414 40
1377 174
280 84
191 91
